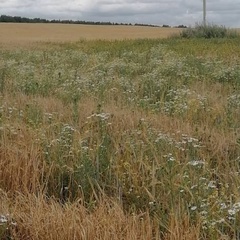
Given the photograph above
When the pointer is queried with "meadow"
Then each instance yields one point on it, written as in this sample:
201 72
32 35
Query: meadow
120 139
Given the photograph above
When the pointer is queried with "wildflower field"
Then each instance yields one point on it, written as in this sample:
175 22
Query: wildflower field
132 139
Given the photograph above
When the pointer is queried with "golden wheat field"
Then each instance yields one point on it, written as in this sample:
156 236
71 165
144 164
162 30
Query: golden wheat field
23 33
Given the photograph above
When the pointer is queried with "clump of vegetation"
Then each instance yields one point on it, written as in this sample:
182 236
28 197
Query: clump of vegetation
208 31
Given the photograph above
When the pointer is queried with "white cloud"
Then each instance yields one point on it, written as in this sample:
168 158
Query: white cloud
172 12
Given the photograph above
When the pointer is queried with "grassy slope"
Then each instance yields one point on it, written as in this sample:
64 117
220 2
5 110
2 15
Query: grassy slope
120 140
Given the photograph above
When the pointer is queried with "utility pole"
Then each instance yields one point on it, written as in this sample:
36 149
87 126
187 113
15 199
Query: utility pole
204 12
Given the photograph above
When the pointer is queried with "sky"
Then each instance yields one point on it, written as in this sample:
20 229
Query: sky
159 12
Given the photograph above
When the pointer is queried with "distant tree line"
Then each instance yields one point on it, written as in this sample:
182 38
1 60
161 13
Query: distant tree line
145 25
17 19
181 26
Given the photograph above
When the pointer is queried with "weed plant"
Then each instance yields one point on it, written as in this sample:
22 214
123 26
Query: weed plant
135 139
208 31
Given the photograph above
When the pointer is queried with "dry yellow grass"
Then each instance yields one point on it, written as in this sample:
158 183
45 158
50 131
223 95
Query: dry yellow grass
25 33
41 218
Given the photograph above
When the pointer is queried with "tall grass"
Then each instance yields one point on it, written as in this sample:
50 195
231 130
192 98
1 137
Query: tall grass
120 140
208 31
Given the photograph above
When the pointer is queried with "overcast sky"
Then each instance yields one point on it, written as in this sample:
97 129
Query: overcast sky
171 12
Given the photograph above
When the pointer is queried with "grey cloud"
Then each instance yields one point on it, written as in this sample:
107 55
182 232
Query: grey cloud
172 12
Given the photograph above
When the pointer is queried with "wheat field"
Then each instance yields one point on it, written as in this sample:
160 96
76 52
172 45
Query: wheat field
26 34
